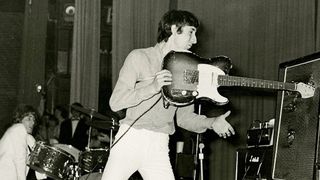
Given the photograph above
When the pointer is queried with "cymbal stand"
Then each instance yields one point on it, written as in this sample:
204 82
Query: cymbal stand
90 130
111 131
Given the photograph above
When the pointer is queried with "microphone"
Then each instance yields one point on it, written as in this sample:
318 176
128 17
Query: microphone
201 146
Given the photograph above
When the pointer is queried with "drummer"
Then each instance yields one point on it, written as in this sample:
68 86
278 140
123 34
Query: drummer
99 138
16 144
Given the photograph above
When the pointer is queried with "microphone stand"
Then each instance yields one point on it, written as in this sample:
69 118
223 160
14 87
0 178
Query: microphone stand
199 154
201 157
90 130
195 159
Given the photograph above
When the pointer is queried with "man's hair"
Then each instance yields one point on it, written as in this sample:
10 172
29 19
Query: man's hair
179 18
22 111
75 104
63 111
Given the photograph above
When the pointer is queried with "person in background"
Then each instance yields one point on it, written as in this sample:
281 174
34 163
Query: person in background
17 143
144 146
74 131
47 130
61 114
99 138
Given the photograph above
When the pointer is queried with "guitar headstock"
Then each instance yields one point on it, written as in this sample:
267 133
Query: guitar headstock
305 90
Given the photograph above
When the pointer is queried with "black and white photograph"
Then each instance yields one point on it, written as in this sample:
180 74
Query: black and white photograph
159 90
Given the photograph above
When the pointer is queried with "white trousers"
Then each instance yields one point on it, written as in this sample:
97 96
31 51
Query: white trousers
142 150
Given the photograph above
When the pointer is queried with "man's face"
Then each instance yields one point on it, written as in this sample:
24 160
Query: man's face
57 113
185 39
75 114
28 122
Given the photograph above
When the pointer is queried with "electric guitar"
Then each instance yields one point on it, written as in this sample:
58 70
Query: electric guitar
194 77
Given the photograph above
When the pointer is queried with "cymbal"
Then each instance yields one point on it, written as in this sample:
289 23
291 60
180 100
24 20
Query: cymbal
102 124
115 115
91 112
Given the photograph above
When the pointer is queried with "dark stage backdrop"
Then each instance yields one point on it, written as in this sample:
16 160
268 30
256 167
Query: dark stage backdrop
22 55
256 35
11 25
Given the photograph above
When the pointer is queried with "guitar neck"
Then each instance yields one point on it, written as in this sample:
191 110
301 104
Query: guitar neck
224 80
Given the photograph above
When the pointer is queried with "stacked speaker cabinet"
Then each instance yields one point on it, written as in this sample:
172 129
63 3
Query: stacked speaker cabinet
253 163
295 152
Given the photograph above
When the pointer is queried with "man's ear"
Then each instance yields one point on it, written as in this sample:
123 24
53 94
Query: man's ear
174 29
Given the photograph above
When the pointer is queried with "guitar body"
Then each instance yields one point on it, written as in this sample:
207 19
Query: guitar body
189 77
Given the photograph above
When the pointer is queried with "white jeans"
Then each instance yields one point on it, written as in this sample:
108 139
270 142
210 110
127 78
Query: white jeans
142 150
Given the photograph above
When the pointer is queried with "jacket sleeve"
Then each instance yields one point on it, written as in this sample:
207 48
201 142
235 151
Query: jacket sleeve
187 119
20 149
130 90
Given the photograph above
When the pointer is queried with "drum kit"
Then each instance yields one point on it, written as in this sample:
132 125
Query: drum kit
65 162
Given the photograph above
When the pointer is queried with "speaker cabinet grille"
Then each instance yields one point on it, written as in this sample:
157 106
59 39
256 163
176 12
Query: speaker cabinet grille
297 129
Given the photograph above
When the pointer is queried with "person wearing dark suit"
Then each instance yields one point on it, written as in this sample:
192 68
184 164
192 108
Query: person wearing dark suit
74 131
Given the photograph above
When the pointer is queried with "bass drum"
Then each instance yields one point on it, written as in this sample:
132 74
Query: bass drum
91 176
51 161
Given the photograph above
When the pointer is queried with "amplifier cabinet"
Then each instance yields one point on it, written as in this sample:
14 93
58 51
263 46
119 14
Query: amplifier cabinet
296 141
253 163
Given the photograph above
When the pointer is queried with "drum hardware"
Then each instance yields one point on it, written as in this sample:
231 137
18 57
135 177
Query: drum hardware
91 112
97 120
93 160
75 172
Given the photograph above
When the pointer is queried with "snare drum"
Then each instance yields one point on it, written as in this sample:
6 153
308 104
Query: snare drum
51 161
69 149
93 160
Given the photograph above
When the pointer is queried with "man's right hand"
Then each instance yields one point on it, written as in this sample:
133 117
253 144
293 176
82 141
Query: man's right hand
161 79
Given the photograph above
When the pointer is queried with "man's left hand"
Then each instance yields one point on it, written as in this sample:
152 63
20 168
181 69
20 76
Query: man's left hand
221 126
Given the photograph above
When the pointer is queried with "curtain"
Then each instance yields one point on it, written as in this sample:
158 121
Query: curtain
134 26
317 27
85 59
257 36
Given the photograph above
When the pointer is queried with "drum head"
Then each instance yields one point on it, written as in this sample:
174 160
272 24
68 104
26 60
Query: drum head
69 149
